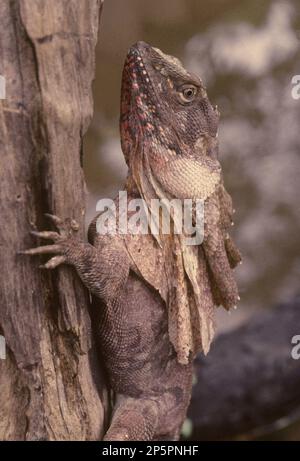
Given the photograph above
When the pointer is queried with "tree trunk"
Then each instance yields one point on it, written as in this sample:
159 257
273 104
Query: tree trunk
51 386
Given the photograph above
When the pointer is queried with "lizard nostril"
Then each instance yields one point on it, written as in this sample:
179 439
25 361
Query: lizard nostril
143 46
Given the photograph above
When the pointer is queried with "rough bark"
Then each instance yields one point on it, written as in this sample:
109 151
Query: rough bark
51 385
249 384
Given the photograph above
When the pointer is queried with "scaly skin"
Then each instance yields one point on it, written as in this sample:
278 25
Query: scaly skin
155 296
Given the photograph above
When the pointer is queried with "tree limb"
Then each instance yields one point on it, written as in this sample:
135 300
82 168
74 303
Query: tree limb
249 381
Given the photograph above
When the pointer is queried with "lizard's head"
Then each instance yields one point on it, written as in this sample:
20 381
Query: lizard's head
164 104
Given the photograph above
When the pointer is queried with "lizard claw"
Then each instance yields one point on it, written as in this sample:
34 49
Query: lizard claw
49 235
64 226
59 223
55 219
53 262
41 250
74 225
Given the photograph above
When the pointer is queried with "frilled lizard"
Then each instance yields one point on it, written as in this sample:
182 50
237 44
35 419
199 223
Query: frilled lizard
156 295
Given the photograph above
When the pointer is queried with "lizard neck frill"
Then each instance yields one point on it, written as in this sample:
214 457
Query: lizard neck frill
190 304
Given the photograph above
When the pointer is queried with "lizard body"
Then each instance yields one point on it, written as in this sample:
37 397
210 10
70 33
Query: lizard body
155 296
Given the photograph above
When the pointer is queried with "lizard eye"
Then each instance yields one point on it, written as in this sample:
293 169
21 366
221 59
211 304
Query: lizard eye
187 93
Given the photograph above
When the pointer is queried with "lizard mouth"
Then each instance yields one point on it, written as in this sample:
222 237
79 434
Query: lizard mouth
139 100
138 78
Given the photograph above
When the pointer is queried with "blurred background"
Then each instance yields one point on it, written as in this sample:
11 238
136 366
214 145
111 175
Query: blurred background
246 52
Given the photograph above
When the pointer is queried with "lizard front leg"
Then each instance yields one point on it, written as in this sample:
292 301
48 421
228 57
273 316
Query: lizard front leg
221 254
104 271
